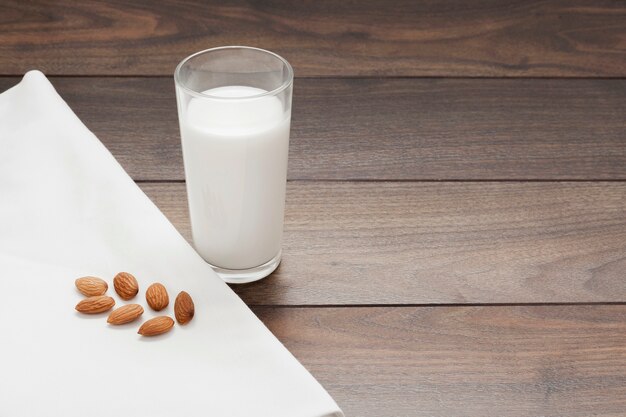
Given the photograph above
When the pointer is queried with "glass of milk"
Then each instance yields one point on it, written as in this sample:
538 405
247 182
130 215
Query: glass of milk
234 109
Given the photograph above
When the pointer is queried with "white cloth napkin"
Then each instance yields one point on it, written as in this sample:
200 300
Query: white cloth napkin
67 209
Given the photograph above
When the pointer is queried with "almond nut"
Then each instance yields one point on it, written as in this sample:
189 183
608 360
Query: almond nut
156 296
91 286
95 305
125 314
126 285
156 326
184 308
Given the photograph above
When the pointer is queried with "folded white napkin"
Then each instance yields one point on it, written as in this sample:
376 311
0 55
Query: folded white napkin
67 209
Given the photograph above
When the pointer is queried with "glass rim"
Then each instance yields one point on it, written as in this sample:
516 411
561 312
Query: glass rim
288 82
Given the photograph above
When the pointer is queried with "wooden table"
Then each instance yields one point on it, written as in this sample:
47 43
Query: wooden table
455 235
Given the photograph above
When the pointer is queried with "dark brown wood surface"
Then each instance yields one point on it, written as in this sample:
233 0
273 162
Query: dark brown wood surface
440 243
326 37
408 129
455 232
567 361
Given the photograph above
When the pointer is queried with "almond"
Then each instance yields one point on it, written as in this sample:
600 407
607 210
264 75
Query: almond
184 308
156 326
125 314
95 305
156 296
126 285
90 286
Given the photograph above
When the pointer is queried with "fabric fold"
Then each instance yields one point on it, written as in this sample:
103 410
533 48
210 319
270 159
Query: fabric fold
68 209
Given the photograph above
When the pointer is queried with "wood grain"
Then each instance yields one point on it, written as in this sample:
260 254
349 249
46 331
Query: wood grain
464 361
353 244
440 243
321 38
417 129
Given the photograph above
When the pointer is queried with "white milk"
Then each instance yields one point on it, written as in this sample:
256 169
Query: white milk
235 154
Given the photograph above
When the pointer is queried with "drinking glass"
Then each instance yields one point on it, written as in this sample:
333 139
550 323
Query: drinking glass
234 111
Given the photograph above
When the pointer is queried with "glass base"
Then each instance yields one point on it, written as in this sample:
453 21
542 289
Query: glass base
243 276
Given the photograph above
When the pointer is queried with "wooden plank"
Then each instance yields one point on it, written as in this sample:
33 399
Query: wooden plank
463 361
321 38
433 243
424 129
